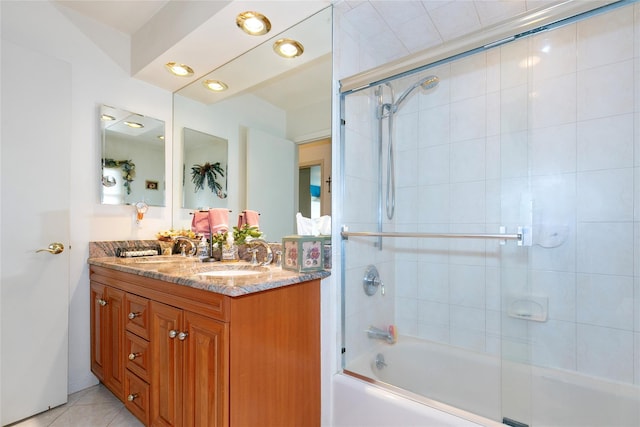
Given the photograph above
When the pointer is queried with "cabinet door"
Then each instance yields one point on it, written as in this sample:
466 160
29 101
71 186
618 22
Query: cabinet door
98 310
166 365
107 337
114 349
206 373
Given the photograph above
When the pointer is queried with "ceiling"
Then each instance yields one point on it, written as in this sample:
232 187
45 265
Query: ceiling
205 36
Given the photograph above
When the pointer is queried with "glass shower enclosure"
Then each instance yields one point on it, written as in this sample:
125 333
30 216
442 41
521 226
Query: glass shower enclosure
491 239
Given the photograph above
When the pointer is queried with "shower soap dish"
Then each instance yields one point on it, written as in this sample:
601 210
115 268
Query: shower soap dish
528 307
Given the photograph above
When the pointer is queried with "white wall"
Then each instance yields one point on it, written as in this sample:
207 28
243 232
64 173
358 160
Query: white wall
96 79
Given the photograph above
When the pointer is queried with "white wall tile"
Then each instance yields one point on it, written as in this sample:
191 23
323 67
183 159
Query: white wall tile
560 288
605 300
605 352
468 119
469 77
553 101
433 164
433 282
467 162
605 248
611 35
606 143
467 284
605 195
605 91
557 53
553 149
434 126
554 344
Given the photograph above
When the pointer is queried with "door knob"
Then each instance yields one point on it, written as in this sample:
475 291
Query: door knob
54 248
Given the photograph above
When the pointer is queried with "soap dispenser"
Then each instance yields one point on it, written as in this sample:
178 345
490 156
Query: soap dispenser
229 249
203 249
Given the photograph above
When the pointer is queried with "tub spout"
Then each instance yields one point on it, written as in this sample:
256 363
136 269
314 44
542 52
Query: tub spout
379 334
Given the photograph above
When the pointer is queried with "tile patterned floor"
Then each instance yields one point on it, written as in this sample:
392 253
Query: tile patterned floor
91 407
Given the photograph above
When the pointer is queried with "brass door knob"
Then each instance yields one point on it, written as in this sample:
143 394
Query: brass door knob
54 248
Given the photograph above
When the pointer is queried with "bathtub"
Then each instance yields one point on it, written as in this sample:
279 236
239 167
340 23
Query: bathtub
421 383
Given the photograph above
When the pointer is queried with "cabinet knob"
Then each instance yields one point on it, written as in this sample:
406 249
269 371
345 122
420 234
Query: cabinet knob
132 397
133 315
173 333
102 302
132 356
182 336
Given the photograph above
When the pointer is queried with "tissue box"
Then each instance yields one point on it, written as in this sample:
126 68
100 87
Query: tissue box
303 253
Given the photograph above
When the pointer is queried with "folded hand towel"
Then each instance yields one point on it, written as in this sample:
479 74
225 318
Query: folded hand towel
219 220
200 223
251 218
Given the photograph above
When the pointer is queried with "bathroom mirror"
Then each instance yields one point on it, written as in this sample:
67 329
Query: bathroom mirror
204 170
272 104
132 158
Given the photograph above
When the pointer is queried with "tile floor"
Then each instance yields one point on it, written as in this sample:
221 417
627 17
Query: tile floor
91 407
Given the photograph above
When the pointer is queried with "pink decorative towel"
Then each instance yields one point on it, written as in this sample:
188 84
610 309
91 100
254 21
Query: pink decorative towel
200 223
251 218
219 220
241 220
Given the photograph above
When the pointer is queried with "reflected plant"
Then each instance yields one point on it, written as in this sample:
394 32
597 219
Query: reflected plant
128 170
208 172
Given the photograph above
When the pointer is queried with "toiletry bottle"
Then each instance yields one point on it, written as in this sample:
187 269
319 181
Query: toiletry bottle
229 249
203 249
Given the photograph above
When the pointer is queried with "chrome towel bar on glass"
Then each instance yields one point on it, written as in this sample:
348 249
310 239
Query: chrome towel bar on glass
519 237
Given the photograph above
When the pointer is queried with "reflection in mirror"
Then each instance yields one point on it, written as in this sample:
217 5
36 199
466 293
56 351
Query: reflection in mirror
132 158
272 105
204 170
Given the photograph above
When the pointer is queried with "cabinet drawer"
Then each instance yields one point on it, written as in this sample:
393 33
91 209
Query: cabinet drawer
137 397
138 357
137 309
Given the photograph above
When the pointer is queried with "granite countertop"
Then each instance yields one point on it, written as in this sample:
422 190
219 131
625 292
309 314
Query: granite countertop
188 271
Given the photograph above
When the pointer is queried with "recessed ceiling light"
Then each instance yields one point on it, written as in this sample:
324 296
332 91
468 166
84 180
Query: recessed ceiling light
180 70
288 48
215 85
107 118
253 23
134 125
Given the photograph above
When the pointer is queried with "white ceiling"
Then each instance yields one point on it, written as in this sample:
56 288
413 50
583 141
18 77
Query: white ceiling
205 36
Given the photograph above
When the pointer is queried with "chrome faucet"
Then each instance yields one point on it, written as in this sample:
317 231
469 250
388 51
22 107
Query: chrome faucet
263 243
379 334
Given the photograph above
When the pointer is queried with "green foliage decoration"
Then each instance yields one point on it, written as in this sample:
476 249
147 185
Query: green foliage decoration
208 172
128 170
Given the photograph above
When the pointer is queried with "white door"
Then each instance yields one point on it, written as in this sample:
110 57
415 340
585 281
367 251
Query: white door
35 132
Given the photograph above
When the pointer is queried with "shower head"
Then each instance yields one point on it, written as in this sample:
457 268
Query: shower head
428 82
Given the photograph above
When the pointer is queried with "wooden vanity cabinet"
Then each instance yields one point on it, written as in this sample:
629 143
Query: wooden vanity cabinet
189 388
211 359
107 336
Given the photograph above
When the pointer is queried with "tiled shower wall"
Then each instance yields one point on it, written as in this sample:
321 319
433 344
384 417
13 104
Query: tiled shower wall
544 131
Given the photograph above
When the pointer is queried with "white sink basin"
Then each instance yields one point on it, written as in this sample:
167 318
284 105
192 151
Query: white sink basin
229 273
233 271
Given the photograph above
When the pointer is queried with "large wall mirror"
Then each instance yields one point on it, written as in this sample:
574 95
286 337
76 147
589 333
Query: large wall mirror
272 106
132 158
204 170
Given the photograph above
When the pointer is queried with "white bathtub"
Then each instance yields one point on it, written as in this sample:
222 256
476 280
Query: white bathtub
429 384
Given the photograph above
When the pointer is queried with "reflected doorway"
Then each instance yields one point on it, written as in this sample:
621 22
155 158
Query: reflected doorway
314 166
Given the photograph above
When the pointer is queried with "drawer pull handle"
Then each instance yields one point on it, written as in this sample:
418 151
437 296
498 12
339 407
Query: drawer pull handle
132 397
132 356
182 336
102 302
173 333
133 315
